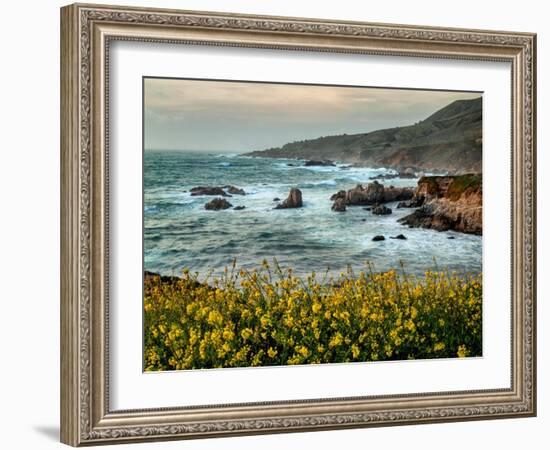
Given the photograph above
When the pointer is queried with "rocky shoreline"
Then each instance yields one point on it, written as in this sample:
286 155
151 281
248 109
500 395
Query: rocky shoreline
451 202
448 203
443 203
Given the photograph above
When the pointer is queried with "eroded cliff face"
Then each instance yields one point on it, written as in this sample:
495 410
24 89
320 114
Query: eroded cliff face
448 203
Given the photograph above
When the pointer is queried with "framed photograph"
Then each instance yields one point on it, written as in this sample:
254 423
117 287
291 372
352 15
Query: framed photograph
275 224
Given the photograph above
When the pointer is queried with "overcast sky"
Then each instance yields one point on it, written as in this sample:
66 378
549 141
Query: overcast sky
238 116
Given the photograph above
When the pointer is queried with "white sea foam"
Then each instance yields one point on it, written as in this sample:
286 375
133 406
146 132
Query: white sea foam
179 232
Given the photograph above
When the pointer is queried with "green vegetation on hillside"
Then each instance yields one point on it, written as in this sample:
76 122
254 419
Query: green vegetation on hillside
462 184
450 140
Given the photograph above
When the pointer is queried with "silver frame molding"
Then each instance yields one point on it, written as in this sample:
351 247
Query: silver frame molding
86 33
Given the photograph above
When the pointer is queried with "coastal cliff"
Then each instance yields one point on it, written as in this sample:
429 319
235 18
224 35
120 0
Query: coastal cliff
448 203
450 140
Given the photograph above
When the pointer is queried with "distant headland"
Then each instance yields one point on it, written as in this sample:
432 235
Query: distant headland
450 140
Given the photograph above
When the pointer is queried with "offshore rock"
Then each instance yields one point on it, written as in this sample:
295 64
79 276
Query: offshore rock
234 190
208 190
376 192
324 162
294 200
339 205
381 210
217 204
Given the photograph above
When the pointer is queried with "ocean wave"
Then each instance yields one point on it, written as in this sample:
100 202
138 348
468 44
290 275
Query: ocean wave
313 184
226 155
179 232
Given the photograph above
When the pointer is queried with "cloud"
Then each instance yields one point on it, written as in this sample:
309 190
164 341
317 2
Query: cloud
222 115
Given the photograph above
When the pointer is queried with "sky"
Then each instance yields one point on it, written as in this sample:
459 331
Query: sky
227 116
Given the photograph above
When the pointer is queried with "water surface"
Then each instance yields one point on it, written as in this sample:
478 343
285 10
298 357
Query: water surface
179 233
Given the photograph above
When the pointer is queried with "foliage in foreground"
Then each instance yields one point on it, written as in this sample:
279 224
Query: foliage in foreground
265 318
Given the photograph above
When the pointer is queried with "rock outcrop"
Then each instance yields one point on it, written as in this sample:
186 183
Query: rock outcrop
339 205
324 162
294 200
224 191
381 210
376 192
415 202
408 173
399 236
217 204
208 190
339 194
234 190
449 203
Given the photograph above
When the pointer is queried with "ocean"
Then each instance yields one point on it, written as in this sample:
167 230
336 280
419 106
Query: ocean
179 233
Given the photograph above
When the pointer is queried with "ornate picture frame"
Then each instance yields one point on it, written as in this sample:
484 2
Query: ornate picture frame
87 31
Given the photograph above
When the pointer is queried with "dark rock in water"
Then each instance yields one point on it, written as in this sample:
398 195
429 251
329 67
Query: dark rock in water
381 210
428 217
367 209
235 190
217 190
407 173
345 167
290 165
239 208
324 162
379 238
208 190
276 199
395 194
339 205
422 216
339 194
217 204
359 195
375 192
399 236
363 220
384 176
294 200
450 237
415 202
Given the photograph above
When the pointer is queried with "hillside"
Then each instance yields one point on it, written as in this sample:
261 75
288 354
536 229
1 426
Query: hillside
448 140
